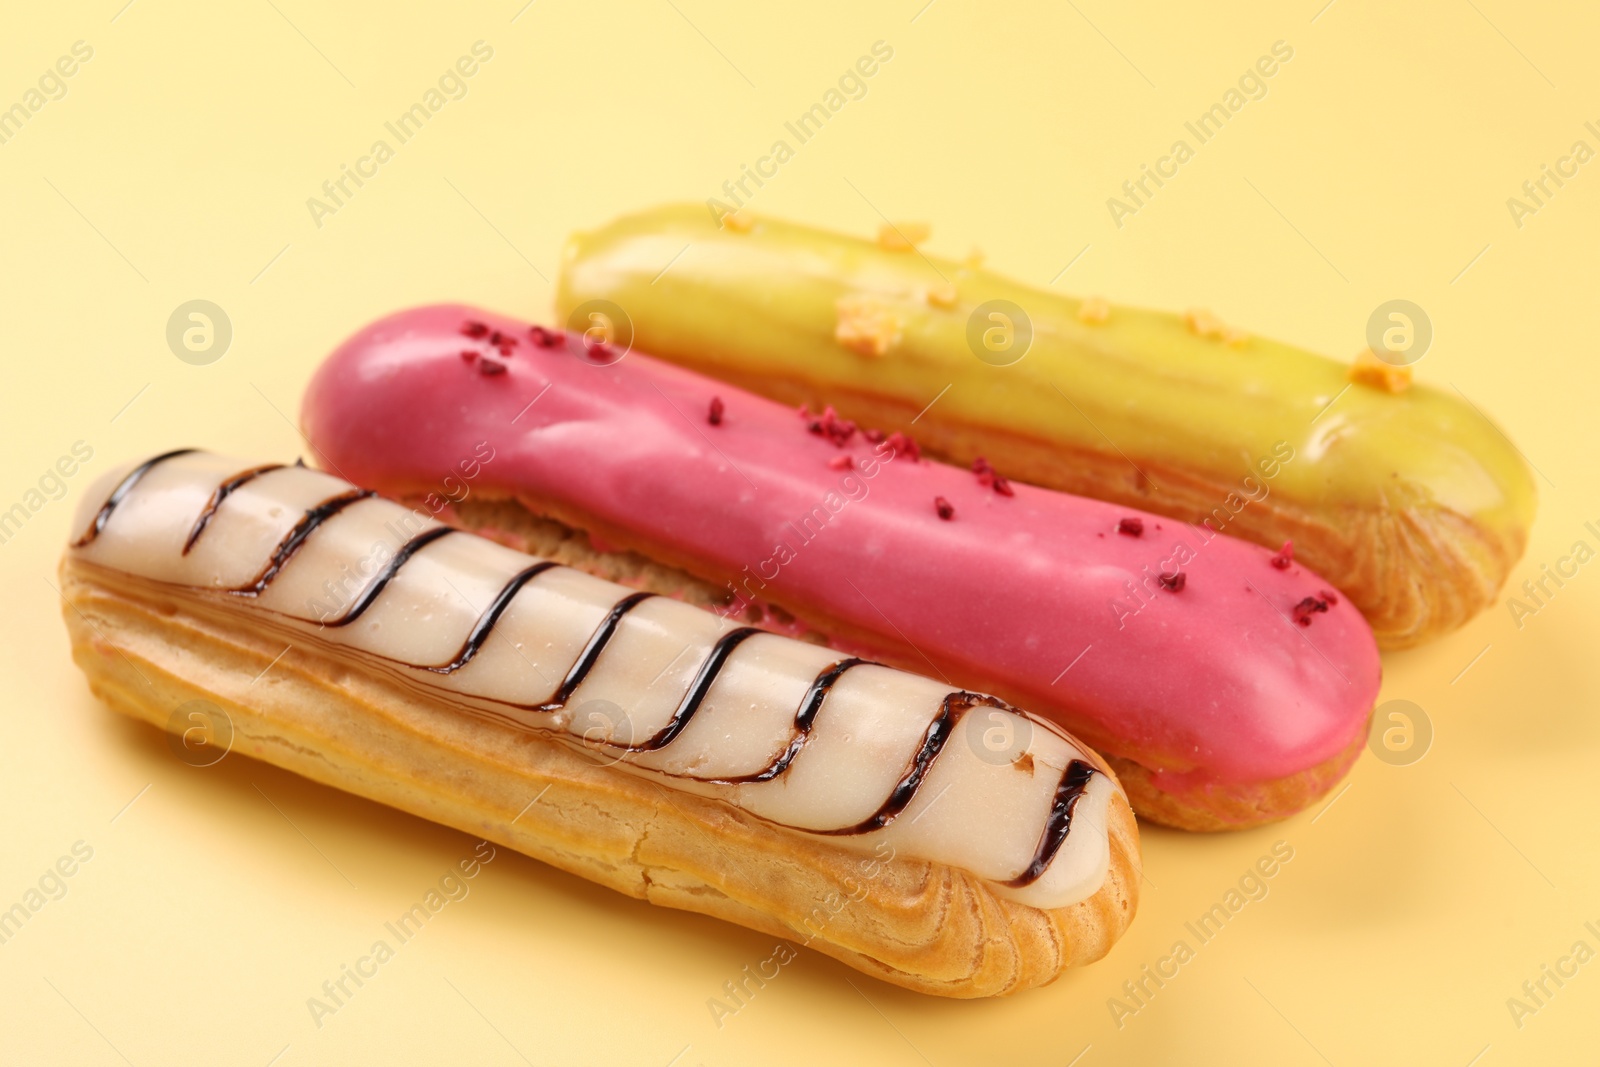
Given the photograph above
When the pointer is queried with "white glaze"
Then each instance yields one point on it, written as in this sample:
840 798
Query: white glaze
968 812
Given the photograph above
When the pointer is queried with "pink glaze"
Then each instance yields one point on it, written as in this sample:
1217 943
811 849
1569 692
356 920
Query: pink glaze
1211 682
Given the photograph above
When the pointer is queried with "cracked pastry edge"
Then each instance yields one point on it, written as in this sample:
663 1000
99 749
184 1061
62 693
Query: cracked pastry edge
924 926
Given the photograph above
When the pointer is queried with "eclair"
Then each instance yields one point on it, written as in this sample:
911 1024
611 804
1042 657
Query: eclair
632 739
1406 498
1226 684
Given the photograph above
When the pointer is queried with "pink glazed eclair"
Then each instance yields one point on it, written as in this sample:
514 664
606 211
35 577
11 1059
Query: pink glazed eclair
1227 685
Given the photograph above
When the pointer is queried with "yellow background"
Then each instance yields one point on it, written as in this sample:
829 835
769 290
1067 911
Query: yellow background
178 166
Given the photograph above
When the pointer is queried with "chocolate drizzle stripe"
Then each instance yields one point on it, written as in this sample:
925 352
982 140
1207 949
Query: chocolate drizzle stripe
222 492
591 651
1074 781
951 709
696 695
486 622
810 705
121 491
297 536
370 593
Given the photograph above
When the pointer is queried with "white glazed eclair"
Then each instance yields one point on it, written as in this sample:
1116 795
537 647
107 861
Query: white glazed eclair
629 738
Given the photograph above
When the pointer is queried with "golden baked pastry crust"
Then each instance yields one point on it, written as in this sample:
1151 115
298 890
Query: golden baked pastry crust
924 926
1214 807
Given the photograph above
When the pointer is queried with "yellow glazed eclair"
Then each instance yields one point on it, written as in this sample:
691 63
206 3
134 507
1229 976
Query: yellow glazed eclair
631 739
1406 497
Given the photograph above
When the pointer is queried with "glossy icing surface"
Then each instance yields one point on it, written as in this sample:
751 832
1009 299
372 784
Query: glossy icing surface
790 732
1211 681
766 298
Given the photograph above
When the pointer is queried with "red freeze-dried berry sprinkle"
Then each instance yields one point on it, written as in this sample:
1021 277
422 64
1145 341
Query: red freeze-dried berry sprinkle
943 507
829 425
904 446
474 329
875 437
546 338
1130 527
487 366
1329 597
842 462
468 355
839 430
1173 582
1284 557
504 342
1308 607
714 416
987 476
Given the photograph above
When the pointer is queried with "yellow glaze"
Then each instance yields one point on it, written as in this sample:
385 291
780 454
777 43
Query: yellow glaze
763 301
